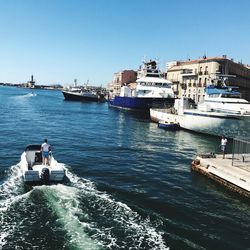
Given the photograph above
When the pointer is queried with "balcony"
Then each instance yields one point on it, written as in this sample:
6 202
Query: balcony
188 72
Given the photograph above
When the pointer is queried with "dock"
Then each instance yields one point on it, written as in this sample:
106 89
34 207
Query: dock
233 173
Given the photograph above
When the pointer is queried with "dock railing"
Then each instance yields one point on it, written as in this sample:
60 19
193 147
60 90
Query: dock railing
241 152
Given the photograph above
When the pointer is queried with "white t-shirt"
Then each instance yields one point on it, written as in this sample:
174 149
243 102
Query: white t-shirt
224 141
45 147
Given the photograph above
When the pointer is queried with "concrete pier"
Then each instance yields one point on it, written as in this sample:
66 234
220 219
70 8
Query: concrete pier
235 177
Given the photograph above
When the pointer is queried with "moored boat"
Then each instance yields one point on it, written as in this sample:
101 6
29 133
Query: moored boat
152 90
204 120
34 172
81 94
169 125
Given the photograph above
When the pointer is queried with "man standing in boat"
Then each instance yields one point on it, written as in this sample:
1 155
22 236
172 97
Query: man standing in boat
45 148
223 145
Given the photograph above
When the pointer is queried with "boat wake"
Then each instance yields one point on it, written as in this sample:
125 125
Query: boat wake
10 192
25 96
112 223
12 187
76 214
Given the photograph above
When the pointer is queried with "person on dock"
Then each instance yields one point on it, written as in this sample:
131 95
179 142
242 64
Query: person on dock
45 148
223 145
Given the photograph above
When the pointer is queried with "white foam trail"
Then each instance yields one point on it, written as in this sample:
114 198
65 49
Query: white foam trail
23 97
10 192
12 187
122 215
65 204
30 94
6 228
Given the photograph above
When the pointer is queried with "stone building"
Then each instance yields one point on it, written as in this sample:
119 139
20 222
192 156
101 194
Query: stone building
121 78
192 76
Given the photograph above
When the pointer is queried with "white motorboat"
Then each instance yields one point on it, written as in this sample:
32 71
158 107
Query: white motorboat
35 172
204 120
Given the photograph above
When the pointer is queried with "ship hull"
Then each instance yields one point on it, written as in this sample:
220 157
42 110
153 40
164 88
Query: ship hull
140 103
70 96
231 127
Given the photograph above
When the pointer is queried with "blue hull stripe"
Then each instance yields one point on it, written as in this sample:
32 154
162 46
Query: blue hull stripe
214 116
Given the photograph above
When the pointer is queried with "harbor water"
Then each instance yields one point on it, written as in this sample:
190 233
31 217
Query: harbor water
130 183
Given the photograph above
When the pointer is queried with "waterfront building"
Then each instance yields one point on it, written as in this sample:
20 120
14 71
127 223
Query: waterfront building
29 84
121 78
192 76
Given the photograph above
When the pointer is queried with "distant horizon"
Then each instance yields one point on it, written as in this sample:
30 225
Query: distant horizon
105 85
59 41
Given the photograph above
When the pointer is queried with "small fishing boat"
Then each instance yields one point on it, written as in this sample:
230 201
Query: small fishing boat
171 125
34 171
83 95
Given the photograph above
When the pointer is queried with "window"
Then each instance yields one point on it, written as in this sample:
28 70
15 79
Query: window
200 72
206 71
205 82
199 84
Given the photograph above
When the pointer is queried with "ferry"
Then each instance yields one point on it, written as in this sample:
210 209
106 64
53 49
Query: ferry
152 90
221 113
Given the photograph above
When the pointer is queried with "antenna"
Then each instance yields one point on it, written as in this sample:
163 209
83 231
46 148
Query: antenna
205 55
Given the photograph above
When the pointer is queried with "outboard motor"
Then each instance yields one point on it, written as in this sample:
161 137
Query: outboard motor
45 175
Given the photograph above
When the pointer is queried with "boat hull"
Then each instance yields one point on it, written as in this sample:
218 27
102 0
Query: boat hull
140 103
168 126
70 96
230 126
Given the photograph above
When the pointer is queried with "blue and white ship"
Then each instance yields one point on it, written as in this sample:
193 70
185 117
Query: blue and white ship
152 90
223 111
226 99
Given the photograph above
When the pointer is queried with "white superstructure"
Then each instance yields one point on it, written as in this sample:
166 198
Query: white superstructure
151 83
225 99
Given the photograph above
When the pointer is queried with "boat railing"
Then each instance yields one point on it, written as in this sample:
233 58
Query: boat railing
241 152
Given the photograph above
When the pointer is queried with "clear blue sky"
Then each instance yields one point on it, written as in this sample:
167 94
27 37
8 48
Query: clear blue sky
60 40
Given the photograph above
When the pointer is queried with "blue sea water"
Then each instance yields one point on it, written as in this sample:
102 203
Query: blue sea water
131 186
